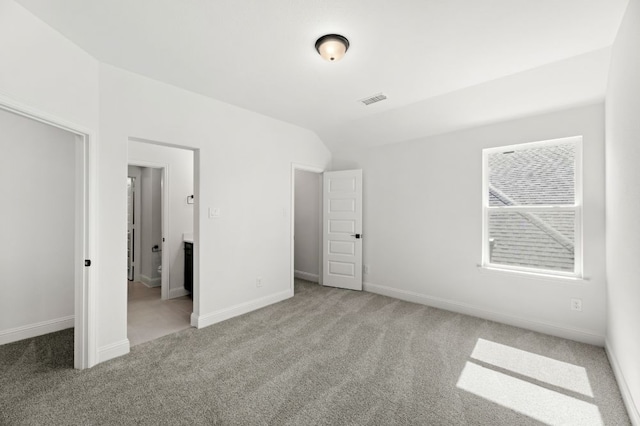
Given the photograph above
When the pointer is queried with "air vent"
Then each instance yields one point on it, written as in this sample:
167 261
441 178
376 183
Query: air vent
373 99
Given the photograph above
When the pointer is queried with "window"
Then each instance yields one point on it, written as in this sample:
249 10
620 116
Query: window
532 207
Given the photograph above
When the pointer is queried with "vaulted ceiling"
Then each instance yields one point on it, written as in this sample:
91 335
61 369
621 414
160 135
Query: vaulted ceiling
443 64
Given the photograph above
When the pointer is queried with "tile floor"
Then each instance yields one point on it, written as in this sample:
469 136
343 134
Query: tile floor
150 317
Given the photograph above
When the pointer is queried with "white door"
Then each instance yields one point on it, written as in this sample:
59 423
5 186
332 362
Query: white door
342 229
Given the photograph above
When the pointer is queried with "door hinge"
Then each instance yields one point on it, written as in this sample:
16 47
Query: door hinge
87 262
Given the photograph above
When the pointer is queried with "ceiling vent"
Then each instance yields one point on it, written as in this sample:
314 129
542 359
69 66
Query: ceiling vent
373 99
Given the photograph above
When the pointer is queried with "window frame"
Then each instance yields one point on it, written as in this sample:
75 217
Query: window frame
576 208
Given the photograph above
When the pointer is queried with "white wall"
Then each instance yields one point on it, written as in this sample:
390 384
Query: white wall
179 166
243 160
423 226
151 225
156 217
307 224
623 208
37 189
41 69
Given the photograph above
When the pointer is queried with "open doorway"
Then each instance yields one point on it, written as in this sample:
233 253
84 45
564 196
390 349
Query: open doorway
338 214
160 237
307 226
44 258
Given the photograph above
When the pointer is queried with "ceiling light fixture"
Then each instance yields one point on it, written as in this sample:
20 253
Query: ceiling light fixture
332 47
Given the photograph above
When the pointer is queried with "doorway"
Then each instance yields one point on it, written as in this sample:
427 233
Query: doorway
306 226
44 180
161 224
338 212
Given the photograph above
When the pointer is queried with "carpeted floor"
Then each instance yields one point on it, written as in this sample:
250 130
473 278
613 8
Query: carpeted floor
327 357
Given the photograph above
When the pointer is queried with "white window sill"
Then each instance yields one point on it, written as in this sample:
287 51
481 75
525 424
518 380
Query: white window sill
532 275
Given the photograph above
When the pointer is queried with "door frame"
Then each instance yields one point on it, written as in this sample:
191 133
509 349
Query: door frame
85 349
320 171
136 218
164 203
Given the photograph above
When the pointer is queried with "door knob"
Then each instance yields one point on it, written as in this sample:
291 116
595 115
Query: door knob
358 236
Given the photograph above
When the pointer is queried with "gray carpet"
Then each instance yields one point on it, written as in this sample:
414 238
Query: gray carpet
327 357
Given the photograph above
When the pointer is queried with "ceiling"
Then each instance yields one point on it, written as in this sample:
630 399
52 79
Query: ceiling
259 55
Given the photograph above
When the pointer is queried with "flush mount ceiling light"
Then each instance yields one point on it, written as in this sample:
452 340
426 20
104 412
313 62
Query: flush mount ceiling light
332 47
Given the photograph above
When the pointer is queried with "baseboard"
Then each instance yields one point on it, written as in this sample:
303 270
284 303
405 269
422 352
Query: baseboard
178 292
580 335
211 318
306 276
37 329
113 350
150 282
632 408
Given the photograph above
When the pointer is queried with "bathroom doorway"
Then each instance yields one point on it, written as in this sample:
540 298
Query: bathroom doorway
161 210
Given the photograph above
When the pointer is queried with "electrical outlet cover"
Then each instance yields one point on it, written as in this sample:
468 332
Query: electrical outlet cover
576 305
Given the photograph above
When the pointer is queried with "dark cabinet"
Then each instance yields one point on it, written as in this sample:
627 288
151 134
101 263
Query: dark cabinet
188 267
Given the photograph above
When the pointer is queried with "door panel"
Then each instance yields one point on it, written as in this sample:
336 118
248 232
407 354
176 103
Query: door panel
342 226
342 247
342 229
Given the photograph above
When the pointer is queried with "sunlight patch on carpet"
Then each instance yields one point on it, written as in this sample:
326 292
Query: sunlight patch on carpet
537 402
538 367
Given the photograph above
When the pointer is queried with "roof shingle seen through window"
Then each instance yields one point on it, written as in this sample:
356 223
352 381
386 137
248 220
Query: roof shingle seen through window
537 176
